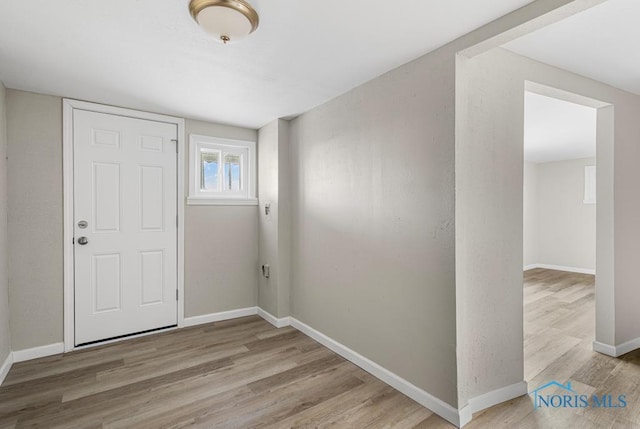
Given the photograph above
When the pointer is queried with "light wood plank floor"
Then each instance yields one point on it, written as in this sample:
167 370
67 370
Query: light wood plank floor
234 374
559 328
245 373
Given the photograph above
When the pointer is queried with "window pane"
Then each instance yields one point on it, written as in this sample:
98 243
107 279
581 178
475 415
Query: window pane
232 172
210 167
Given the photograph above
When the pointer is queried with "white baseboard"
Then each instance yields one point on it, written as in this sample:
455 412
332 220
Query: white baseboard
429 401
627 347
217 317
38 352
278 323
605 349
561 268
54 349
456 417
6 366
490 399
616 351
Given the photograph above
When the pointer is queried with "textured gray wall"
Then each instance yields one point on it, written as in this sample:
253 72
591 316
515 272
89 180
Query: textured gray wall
35 218
373 222
566 225
218 277
489 214
530 214
268 224
284 219
274 176
5 333
221 244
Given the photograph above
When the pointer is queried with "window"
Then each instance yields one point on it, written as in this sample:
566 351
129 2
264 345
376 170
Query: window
590 184
221 171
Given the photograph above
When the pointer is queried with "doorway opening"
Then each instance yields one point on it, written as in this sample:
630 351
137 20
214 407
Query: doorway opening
559 230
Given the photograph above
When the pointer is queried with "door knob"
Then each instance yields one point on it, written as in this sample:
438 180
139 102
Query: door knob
82 241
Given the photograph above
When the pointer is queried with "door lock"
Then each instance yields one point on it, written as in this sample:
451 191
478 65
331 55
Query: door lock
83 224
83 241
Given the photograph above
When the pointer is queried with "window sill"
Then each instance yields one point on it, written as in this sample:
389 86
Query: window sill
195 201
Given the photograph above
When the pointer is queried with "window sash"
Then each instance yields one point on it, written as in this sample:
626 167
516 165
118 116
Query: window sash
235 178
201 153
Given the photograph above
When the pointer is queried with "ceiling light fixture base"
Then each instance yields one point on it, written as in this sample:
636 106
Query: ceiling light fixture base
227 20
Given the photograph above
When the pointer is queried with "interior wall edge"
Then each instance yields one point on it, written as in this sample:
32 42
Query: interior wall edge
5 326
489 399
6 367
275 321
619 350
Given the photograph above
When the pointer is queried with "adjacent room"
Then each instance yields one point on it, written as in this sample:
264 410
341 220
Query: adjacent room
559 232
248 213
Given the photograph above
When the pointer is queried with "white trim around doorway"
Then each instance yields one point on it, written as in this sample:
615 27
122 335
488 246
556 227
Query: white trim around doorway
67 166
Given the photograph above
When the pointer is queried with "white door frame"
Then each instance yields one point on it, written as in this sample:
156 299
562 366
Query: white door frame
67 167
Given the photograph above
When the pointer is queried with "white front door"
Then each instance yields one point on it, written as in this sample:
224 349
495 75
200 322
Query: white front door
125 232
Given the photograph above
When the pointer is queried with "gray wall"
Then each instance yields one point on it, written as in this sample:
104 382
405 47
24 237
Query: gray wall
565 230
35 218
372 213
217 277
5 332
221 244
273 152
530 214
489 235
489 204
268 224
373 223
284 218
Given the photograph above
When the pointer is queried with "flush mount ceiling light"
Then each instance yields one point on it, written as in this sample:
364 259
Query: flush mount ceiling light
227 20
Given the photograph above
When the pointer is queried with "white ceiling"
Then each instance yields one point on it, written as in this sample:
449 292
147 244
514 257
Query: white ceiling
557 130
600 43
150 54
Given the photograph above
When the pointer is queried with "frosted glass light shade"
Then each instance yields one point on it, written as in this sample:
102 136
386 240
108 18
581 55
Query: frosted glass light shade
227 20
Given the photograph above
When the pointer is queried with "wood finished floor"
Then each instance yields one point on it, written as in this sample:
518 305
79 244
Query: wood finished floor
559 327
234 374
246 374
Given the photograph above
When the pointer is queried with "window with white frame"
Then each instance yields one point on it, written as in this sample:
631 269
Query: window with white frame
221 171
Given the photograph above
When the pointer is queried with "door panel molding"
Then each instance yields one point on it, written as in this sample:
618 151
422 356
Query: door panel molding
69 105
